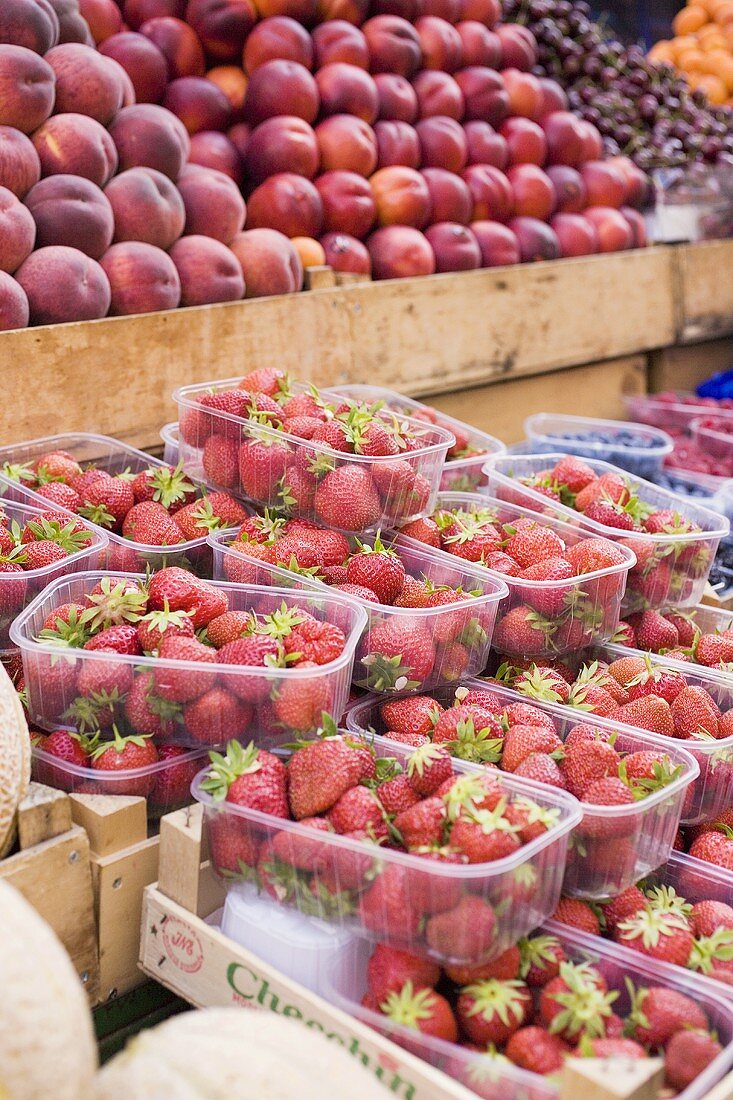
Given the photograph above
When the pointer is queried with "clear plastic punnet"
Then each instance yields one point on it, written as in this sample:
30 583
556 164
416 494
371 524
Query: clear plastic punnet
513 894
714 435
169 435
494 1078
671 568
268 704
415 647
634 447
267 466
463 470
105 453
673 411
585 609
612 847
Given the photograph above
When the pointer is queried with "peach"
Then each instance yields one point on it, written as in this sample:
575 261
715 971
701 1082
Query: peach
339 41
400 252
493 199
222 26
442 143
142 279
20 167
347 90
487 12
303 11
147 207
143 62
518 46
86 83
394 45
286 202
405 9
346 253
148 136
570 193
401 197
438 94
211 149
213 202
397 143
440 43
637 182
137 12
73 211
537 241
454 246
103 18
281 88
239 136
14 311
484 145
26 88
128 88
450 199
348 203
208 271
499 246
278 39
17 231
484 94
270 263
615 233
525 140
592 141
479 45
233 83
62 284
179 45
604 184
534 195
30 23
449 10
198 103
311 253
525 93
346 11
553 97
564 138
282 144
637 224
577 236
73 27
397 98
348 143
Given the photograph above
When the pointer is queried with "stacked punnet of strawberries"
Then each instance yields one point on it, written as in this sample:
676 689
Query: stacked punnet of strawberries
676 634
417 636
535 1005
345 830
557 600
710 841
158 506
349 465
180 659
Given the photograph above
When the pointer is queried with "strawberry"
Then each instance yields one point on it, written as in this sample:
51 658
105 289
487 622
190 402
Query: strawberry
358 810
387 904
522 630
182 685
695 714
687 1055
608 514
578 914
300 704
68 746
262 465
541 768
626 904
684 624
552 600
179 590
149 523
414 593
121 639
653 631
499 562
522 741
610 791
656 681
315 641
658 1013
662 936
299 849
166 485
422 825
504 967
248 777
422 1010
545 684
708 916
220 461
587 761
216 715
107 501
333 547
212 512
541 958
428 767
397 794
148 713
378 568
320 772
389 969
269 380
55 466
60 494
648 713
397 653
668 522
491 1011
609 487
157 625
485 835
535 1049
610 1048
424 530
625 635
715 847
230 627
173 783
524 714
532 543
584 732
573 473
576 1002
648 771
715 650
39 555
346 498
126 754
465 932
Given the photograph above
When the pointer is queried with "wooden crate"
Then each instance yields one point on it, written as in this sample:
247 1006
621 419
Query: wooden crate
52 869
704 290
685 366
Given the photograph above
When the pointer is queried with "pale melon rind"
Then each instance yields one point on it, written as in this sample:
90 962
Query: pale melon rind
47 1047
228 1053
15 759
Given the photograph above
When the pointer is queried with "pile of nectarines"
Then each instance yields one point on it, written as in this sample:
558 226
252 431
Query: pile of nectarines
391 137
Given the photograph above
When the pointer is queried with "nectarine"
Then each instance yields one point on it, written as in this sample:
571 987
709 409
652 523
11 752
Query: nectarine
400 252
62 284
208 271
14 311
270 263
26 88
147 207
142 279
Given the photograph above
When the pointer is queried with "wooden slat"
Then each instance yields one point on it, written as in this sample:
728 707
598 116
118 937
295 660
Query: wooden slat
184 875
44 813
705 288
112 822
611 1078
685 366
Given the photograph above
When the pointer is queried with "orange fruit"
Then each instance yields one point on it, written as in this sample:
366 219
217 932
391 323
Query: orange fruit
682 43
714 89
724 12
310 251
725 72
689 20
691 61
662 51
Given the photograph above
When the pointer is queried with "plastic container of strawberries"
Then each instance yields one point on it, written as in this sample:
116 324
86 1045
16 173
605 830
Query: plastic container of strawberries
109 454
166 784
268 695
673 411
612 847
473 619
170 436
17 590
671 569
548 432
714 435
708 620
590 604
502 884
494 1079
461 475
393 492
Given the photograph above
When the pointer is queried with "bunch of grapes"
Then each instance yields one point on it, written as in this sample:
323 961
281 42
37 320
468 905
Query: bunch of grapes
642 108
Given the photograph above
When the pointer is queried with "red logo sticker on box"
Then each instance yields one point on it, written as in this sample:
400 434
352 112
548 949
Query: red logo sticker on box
183 945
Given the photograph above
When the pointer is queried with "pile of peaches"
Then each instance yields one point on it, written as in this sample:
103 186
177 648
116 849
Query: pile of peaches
157 153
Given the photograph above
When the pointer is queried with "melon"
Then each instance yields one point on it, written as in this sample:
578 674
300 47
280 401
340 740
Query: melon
228 1053
15 760
47 1046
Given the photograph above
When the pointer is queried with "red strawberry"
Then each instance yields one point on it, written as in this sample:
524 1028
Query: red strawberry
715 847
126 754
532 543
464 932
625 635
573 473
167 485
215 716
389 969
300 704
485 835
149 523
684 624
181 685
213 511
658 1013
107 501
542 769
262 464
347 498
319 773
534 1049
121 639
524 714
269 380
491 1011
157 625
553 599
504 967
422 825
60 494
524 631
72 748
542 683
39 555
428 767
182 591
610 486
708 916
649 713
584 732
687 1055
423 1010
587 761
695 714
220 461
610 791
578 914
663 936
358 810
387 904
315 641
541 958
173 783
523 741
248 777
300 849
424 530
626 904
397 653
412 714
653 631
715 650
148 713
499 562
611 1048
576 1002
379 569
397 794
56 466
